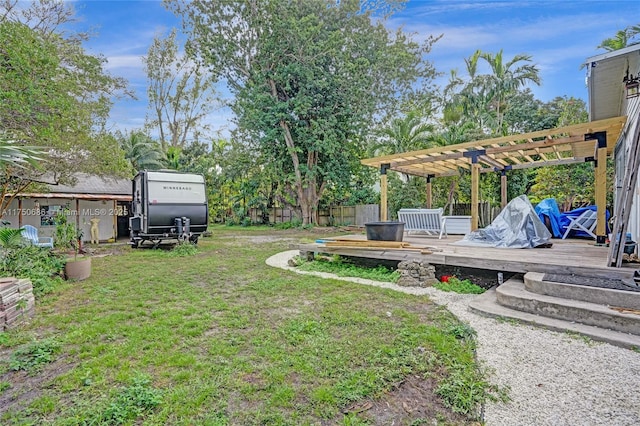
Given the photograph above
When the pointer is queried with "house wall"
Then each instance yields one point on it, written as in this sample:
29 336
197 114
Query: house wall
39 213
632 109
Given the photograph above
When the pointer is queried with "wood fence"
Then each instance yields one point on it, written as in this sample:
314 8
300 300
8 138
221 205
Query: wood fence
361 214
332 216
486 212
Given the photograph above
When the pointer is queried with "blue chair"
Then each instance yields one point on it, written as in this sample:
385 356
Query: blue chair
31 234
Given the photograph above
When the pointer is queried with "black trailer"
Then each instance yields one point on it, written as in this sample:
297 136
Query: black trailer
168 206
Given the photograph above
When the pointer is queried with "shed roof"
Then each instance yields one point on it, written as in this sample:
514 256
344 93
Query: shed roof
96 185
565 145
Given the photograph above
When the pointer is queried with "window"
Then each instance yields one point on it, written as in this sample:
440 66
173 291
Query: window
48 214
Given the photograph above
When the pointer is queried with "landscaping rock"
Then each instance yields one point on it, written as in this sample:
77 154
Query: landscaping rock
416 274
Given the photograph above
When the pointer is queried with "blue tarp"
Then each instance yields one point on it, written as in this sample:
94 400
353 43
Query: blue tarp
547 209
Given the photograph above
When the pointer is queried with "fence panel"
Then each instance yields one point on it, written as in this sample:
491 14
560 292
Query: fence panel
366 213
334 215
486 212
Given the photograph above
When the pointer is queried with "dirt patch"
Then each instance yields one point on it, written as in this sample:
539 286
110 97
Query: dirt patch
411 402
27 387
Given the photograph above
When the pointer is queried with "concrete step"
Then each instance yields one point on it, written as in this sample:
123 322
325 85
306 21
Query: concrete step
487 304
512 294
533 282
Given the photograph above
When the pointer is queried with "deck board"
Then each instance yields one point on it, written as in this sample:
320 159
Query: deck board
571 256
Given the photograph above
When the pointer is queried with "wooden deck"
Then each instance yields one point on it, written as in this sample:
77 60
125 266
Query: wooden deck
571 256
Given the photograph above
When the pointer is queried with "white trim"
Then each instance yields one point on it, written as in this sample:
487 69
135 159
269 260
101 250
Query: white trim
612 54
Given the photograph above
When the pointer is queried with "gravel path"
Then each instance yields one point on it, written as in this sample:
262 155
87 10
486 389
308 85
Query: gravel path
554 378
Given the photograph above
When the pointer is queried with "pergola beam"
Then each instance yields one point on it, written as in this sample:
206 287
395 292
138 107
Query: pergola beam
592 141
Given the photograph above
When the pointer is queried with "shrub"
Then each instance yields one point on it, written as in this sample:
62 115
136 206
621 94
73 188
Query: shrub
34 356
184 249
40 265
11 238
459 286
131 402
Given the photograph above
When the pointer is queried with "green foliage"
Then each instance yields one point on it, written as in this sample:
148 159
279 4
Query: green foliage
465 389
11 238
313 88
184 249
567 184
462 331
39 264
16 156
295 222
32 357
408 133
623 38
67 235
405 194
131 403
344 268
141 151
181 94
53 96
459 286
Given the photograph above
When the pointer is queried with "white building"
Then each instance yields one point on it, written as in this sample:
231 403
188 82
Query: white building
107 199
612 80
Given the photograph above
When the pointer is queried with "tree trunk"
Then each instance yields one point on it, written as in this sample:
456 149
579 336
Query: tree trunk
306 186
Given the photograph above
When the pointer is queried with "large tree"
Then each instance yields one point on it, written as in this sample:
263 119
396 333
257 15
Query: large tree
55 96
310 78
181 94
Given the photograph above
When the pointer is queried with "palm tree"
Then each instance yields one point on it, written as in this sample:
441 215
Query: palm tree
13 159
12 155
507 78
623 38
142 152
405 134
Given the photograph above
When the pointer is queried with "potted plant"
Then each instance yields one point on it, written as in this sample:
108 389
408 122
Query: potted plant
69 237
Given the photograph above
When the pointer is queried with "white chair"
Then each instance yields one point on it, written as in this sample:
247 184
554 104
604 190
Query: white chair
423 221
31 233
586 222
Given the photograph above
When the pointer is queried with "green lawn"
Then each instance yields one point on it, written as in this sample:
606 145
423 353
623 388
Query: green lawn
221 338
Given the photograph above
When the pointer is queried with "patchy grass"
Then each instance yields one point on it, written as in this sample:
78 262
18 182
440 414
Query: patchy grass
218 338
343 268
33 356
459 286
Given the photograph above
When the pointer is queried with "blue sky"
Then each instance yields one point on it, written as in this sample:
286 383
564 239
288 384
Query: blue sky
559 35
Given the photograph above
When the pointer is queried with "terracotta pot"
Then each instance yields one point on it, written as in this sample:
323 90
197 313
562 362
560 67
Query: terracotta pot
78 269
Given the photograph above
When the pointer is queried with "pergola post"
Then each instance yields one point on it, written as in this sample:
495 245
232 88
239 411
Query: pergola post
475 185
383 192
600 184
503 186
429 192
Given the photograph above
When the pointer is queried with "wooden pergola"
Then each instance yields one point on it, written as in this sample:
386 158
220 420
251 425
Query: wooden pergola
593 141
